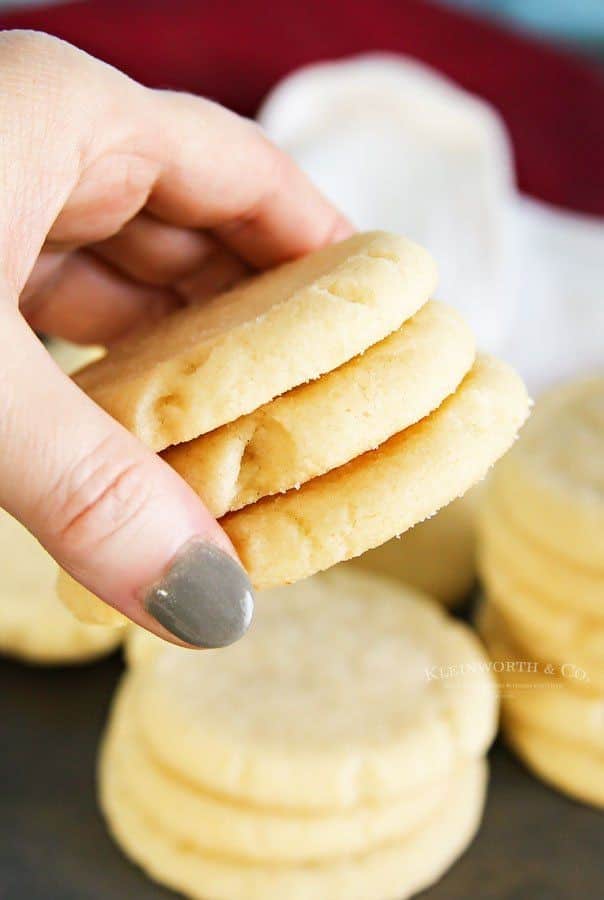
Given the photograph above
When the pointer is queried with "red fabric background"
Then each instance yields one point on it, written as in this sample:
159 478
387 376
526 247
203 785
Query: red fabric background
553 104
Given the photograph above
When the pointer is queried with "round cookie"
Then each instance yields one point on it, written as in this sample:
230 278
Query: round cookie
141 645
319 426
548 575
386 491
552 483
396 869
341 694
212 362
436 556
567 766
555 635
85 606
34 626
217 826
546 699
71 357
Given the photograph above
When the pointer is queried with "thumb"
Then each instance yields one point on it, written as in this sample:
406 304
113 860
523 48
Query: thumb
110 511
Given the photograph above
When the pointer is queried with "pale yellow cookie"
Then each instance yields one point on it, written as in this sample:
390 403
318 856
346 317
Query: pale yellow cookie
210 363
338 696
559 581
539 694
386 491
85 606
436 556
71 357
397 869
565 765
555 635
322 425
34 626
141 645
552 484
219 826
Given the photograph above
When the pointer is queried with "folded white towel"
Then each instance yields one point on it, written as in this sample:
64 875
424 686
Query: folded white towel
559 326
397 146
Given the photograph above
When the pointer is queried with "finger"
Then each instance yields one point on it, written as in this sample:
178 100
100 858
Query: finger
228 176
65 148
198 166
193 262
222 271
111 146
111 512
86 301
48 267
156 253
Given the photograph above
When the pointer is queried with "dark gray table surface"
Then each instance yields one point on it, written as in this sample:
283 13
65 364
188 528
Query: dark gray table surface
534 843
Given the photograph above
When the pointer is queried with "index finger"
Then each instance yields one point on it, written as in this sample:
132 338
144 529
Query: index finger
87 148
219 171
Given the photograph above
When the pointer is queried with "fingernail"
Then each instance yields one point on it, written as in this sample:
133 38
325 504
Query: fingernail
205 598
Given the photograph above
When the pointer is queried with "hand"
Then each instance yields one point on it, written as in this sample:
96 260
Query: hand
117 203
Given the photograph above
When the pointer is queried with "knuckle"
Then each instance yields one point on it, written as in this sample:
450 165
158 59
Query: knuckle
335 229
272 165
29 55
23 42
97 498
38 71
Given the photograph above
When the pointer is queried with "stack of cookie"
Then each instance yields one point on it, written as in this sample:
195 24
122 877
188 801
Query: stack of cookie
318 409
542 563
337 752
34 626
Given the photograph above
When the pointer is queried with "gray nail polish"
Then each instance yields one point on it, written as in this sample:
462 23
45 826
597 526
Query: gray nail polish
205 598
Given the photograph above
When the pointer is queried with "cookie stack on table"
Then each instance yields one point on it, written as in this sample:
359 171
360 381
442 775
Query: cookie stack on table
542 563
336 753
34 625
319 409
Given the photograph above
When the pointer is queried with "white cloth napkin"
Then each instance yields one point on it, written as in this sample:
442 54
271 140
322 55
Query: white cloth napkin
399 147
558 330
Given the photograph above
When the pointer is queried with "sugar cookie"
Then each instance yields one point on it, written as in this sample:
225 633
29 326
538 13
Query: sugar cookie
340 678
566 766
71 357
210 363
85 606
552 484
554 727
557 635
237 830
321 425
396 869
541 695
141 645
384 492
543 572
